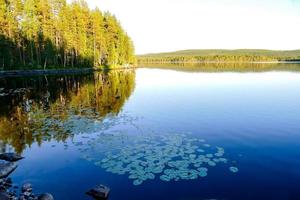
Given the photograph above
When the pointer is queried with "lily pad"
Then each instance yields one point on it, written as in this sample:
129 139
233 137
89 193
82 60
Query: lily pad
234 169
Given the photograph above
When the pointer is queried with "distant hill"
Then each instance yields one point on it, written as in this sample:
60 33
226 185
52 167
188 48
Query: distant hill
220 55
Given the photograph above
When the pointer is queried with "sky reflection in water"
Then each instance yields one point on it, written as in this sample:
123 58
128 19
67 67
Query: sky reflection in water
253 117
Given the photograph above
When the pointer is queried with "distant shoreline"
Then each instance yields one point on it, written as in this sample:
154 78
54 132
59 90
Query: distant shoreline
221 56
224 62
38 72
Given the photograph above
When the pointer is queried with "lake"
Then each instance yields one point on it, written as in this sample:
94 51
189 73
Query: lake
180 133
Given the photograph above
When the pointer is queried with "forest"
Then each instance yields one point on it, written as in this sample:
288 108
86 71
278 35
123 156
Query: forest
43 34
219 55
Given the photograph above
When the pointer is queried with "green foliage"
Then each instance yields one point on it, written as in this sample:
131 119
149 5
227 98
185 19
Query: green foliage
207 56
47 33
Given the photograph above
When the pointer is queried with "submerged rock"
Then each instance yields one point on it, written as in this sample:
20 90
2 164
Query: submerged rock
11 157
100 192
5 193
4 196
45 196
7 168
5 183
27 187
8 192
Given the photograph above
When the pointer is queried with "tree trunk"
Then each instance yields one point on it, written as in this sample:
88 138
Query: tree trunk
37 50
72 59
31 51
94 48
65 59
45 64
20 53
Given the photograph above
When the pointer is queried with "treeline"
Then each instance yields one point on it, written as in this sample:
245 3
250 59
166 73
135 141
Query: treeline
204 59
53 33
208 56
226 67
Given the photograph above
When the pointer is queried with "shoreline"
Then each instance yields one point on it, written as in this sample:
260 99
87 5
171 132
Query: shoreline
221 62
39 72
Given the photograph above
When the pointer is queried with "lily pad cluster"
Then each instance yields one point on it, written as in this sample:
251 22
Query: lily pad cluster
169 157
75 124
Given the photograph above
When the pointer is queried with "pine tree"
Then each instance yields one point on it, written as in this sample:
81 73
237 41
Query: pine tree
43 33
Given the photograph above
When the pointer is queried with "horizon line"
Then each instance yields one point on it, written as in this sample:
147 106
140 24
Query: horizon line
213 49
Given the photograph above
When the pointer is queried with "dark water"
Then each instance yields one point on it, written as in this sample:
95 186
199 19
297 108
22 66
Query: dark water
169 125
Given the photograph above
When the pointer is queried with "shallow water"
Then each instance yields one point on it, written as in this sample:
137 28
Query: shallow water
155 133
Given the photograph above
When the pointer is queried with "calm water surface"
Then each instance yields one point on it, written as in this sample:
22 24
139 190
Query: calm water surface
78 131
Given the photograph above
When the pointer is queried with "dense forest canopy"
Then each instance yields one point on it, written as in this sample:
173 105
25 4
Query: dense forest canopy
219 55
53 33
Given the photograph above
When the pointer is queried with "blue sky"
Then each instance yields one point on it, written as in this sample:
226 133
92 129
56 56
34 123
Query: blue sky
169 25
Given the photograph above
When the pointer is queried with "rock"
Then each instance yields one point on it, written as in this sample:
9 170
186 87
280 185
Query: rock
7 190
22 197
26 187
11 157
5 184
45 196
7 168
8 181
100 192
4 196
27 194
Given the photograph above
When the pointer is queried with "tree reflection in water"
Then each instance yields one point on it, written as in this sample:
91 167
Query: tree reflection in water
41 109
